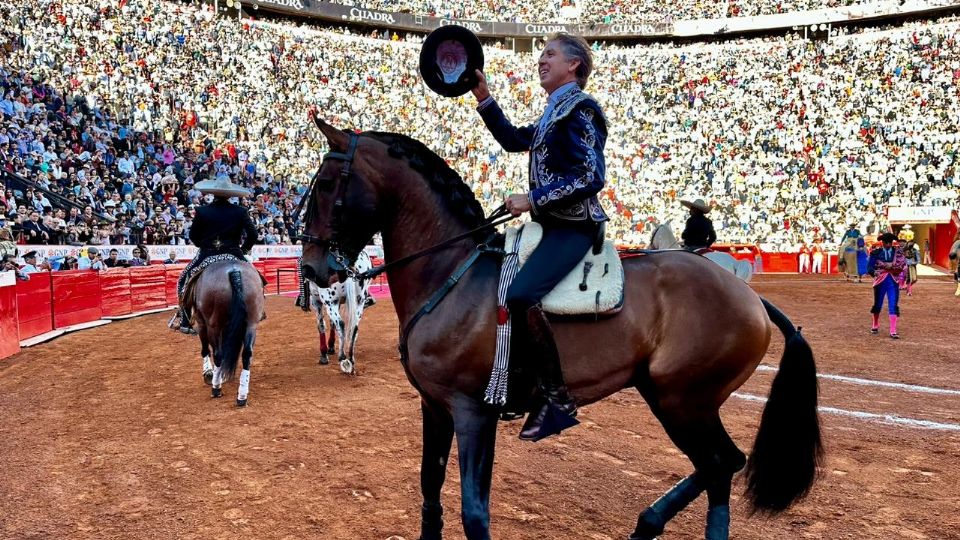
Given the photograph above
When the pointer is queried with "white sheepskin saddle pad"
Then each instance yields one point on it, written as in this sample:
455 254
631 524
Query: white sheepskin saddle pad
593 287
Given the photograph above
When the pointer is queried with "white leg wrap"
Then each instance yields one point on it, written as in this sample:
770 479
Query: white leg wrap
216 378
207 364
244 388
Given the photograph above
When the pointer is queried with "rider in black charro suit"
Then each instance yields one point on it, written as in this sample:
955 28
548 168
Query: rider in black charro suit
698 232
219 228
567 171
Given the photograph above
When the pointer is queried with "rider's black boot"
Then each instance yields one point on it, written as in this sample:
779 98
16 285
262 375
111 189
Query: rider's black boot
559 410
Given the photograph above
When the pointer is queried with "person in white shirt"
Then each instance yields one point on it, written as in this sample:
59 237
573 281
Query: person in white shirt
30 263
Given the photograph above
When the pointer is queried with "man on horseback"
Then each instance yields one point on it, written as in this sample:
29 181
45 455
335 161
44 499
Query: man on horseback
566 172
698 232
221 230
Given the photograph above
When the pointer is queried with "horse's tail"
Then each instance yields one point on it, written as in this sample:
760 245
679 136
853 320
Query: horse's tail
231 342
788 451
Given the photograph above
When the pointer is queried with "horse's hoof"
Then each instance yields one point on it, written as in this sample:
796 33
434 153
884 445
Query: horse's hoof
324 360
216 392
208 377
241 403
346 366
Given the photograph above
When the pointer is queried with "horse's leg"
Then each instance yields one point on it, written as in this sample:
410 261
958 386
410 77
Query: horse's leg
207 369
476 431
321 328
243 389
437 438
338 324
217 379
715 458
355 331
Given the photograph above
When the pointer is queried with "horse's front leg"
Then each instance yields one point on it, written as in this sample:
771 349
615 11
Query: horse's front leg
321 328
338 324
476 429
437 438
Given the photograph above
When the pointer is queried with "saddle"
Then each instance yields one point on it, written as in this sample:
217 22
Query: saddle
189 287
594 287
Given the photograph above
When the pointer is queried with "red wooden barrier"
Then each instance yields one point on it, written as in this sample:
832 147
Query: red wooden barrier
172 275
76 297
34 310
9 333
289 281
115 292
269 271
148 288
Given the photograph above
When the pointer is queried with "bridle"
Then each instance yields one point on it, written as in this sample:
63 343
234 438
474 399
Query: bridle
336 260
341 264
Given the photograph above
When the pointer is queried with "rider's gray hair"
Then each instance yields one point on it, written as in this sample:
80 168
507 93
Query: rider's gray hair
575 47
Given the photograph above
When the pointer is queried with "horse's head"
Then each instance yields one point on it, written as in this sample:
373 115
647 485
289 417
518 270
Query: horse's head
662 237
341 204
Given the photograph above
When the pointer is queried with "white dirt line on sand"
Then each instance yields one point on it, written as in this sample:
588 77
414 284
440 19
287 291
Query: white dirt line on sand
885 418
871 382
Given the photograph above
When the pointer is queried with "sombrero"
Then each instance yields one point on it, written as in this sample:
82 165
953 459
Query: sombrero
887 237
698 204
221 187
448 59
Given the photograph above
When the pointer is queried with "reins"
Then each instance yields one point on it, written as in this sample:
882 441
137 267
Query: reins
500 215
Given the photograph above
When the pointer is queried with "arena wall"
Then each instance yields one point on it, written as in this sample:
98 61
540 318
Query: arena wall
50 303
9 331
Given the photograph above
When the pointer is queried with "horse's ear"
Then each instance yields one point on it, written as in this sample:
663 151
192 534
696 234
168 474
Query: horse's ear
335 138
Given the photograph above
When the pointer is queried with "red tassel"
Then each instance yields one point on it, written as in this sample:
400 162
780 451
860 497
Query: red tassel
502 315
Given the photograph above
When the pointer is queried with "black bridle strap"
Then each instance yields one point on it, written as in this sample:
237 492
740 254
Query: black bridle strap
435 300
347 158
500 215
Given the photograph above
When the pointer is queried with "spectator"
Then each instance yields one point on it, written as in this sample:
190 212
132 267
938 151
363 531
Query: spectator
30 263
113 260
171 258
7 246
136 258
7 264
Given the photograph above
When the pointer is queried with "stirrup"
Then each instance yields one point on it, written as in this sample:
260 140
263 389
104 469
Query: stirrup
550 420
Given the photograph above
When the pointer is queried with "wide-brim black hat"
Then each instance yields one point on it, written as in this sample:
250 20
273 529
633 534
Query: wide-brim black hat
448 59
887 237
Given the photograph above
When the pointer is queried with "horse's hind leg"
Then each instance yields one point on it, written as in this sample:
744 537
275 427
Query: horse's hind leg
715 458
243 389
437 438
217 379
207 369
476 431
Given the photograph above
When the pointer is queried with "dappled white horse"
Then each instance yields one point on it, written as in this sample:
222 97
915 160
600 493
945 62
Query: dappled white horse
663 238
354 297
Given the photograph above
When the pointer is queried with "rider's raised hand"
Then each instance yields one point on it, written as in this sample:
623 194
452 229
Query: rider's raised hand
480 91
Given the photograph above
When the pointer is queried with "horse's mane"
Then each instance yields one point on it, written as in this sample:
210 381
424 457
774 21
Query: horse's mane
444 180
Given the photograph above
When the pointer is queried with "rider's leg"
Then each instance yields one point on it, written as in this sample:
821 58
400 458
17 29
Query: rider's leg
559 252
184 321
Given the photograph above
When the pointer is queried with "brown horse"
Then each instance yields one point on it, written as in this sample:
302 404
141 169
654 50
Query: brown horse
227 307
689 334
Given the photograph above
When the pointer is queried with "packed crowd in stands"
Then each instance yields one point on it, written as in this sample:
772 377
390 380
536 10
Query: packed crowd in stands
596 11
124 109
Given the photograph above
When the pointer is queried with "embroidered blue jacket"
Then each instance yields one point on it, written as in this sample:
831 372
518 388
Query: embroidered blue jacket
567 169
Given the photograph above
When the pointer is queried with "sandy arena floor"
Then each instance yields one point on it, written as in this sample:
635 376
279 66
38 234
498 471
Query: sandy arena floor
111 433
